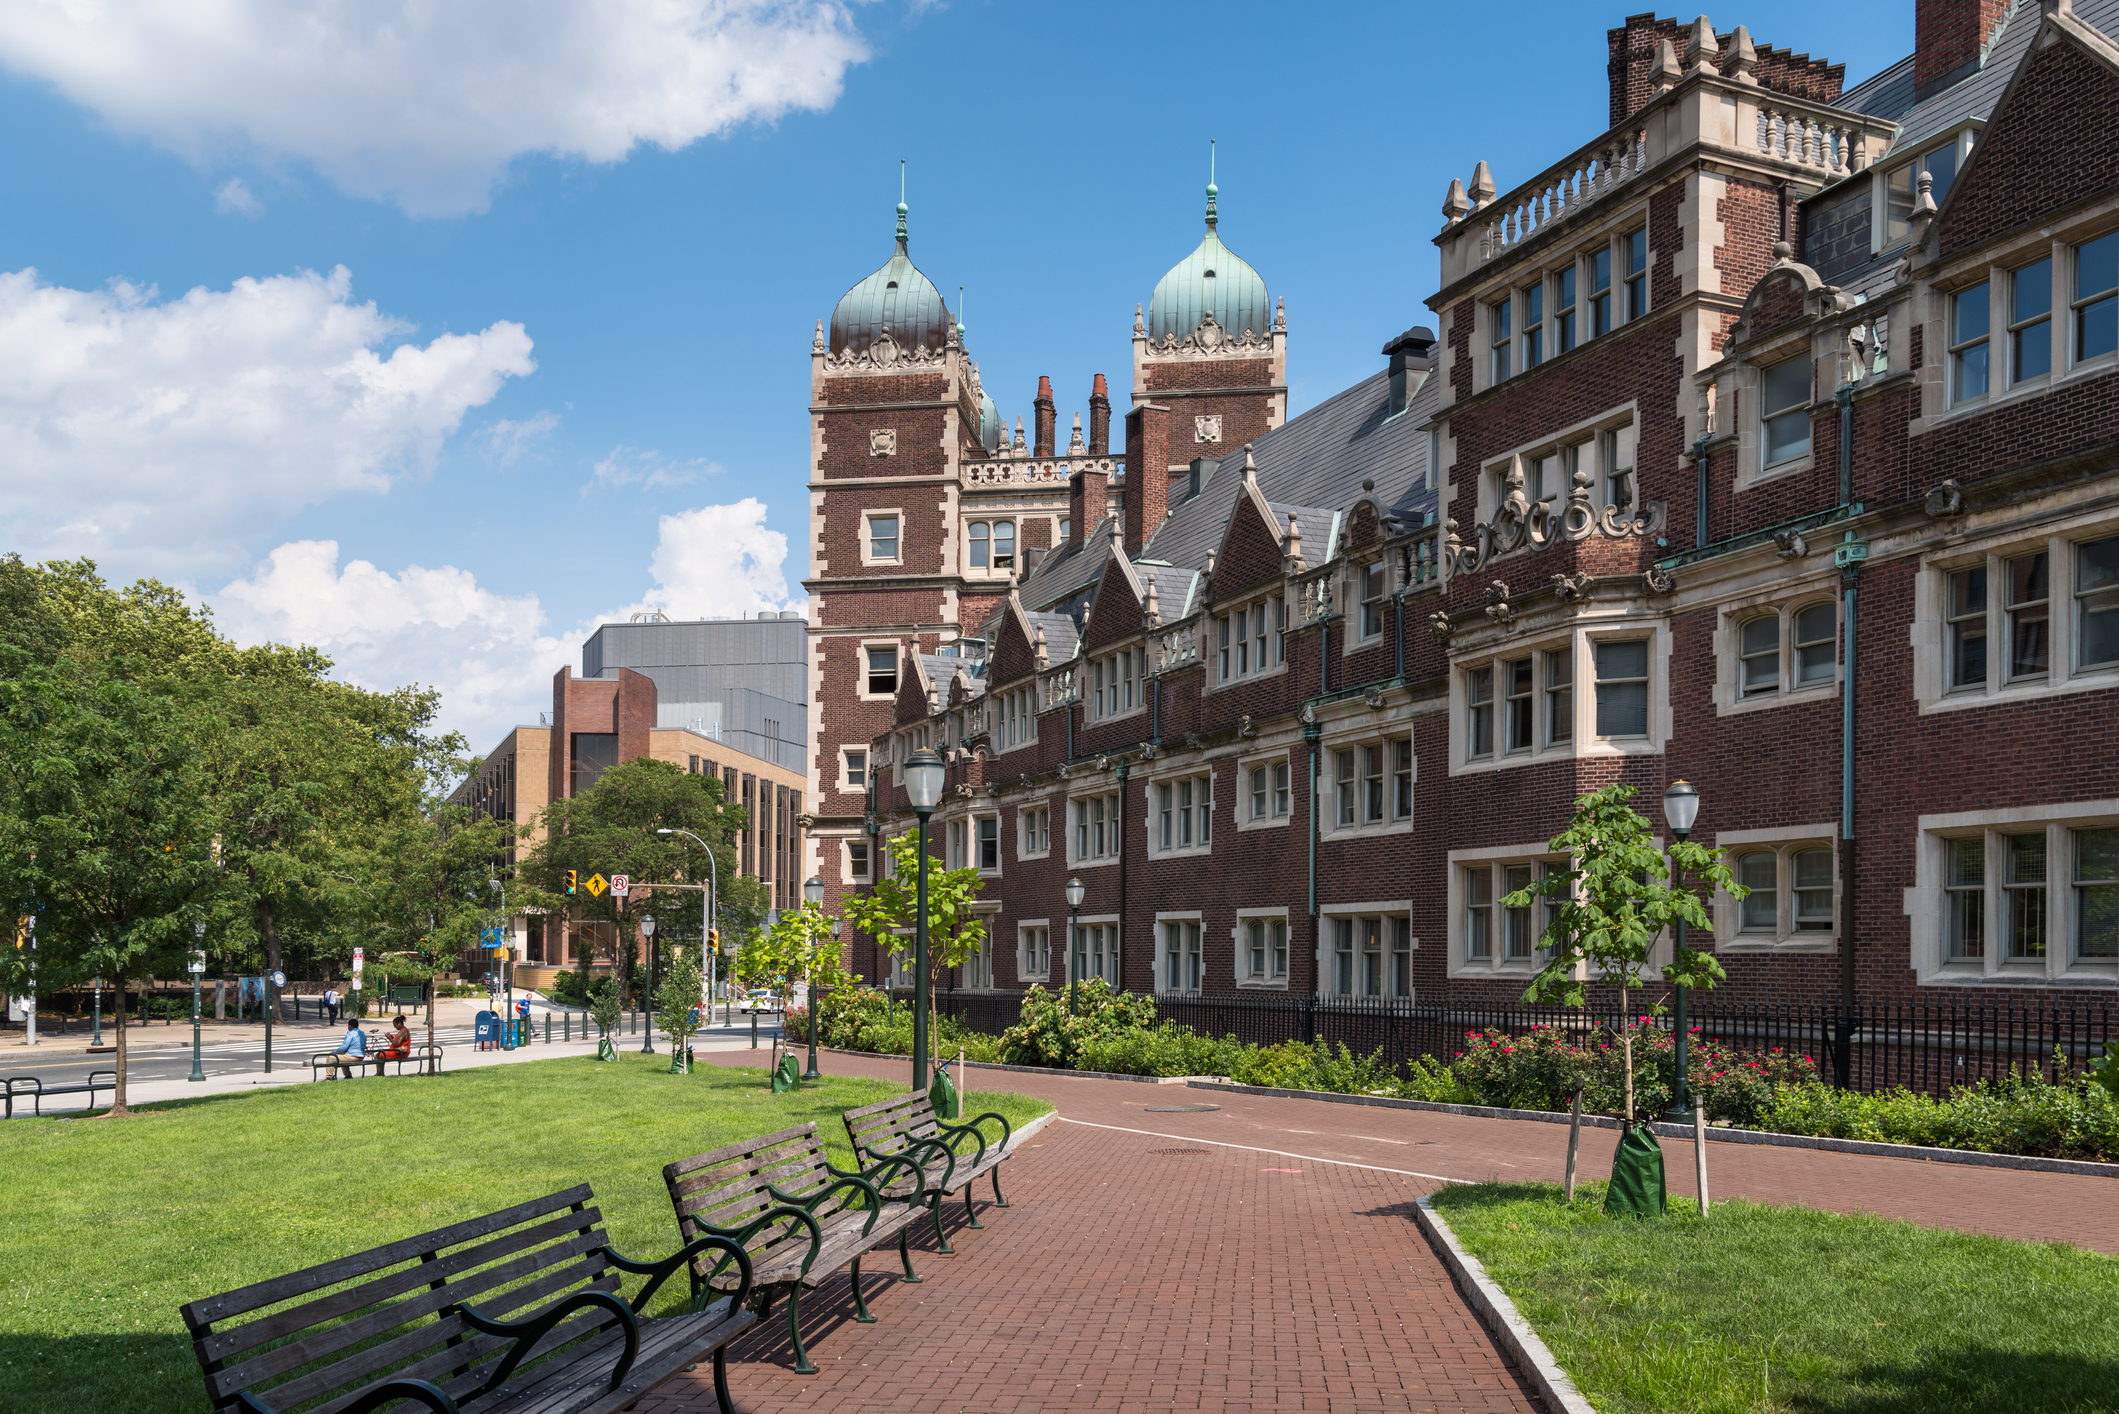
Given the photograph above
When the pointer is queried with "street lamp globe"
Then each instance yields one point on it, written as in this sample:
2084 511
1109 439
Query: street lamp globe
923 780
813 890
1076 890
1681 806
647 925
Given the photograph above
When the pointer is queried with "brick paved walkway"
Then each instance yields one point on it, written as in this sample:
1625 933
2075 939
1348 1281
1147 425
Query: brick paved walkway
1163 1261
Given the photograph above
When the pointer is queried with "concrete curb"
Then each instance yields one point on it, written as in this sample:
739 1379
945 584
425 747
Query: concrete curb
1530 1355
1018 1069
1971 1157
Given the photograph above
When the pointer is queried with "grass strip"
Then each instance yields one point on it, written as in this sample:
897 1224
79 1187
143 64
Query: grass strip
110 1225
1760 1308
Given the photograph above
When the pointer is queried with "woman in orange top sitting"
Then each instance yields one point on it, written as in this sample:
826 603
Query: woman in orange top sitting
398 1044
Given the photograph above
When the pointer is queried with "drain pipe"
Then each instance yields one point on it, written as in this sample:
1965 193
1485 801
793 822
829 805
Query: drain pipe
1848 555
1312 734
1845 398
1699 528
1124 854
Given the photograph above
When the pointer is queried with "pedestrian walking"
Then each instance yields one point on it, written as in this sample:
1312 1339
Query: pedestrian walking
331 1003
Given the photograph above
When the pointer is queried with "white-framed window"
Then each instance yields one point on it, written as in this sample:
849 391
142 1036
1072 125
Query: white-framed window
1118 683
986 843
2095 307
879 670
1622 669
1371 783
1370 951
1523 706
1014 718
2031 321
1563 310
853 769
857 860
1374 583
1183 967
1602 448
1502 327
1033 948
956 848
991 544
1034 831
880 539
1793 877
1971 354
1096 828
2033 616
1262 947
1266 795
1902 185
1250 640
1096 950
1777 653
1784 410
1486 936
2017 896
1633 251
1533 301
1182 814
1598 269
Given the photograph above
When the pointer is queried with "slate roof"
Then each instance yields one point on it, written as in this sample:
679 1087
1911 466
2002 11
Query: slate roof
1067 571
1976 96
1060 635
1887 95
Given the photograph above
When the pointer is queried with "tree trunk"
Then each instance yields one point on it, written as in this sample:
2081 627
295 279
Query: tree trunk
1626 1051
269 929
117 1101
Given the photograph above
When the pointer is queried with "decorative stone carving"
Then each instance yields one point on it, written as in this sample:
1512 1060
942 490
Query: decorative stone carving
1572 588
1245 727
1103 763
1374 698
1151 750
1659 581
882 441
1309 712
1520 523
883 354
1439 622
1211 340
962 792
1207 428
1945 500
1497 606
1193 741
1791 543
1062 770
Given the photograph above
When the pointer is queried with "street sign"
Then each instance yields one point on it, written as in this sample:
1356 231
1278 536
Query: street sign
279 979
621 884
359 960
596 885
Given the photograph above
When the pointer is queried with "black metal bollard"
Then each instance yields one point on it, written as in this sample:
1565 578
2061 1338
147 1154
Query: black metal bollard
567 1023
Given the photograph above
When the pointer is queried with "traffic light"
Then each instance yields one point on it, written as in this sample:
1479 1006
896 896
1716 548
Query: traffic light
570 883
713 939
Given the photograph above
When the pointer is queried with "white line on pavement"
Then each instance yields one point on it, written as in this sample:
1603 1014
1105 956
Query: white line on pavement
1282 1153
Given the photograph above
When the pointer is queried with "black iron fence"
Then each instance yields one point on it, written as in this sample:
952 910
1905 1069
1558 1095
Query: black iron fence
1926 1045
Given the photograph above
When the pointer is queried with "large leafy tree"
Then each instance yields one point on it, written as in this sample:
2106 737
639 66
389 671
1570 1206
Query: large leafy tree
611 829
1615 901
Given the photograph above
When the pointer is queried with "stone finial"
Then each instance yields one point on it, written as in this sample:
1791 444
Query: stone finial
1783 253
1924 203
1076 447
818 346
1280 315
1702 50
1041 649
1293 544
1151 609
1455 206
1482 191
1666 73
1250 465
1020 446
1140 325
1743 55
1210 566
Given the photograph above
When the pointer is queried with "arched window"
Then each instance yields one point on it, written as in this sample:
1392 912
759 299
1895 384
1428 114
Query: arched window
979 559
1760 654
1004 544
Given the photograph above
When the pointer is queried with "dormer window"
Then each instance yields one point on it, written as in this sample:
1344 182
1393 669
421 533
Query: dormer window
1784 406
1902 186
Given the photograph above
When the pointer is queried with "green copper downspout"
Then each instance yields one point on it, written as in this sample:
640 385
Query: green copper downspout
1848 555
1312 733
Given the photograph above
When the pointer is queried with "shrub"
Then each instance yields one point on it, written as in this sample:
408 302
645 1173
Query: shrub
1049 1033
2025 1114
1168 1049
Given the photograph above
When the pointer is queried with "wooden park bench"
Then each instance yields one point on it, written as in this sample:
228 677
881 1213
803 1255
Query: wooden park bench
38 1092
784 1201
426 1058
907 1127
515 1311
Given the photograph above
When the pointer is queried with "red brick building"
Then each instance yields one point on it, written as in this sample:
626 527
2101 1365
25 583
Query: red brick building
1768 442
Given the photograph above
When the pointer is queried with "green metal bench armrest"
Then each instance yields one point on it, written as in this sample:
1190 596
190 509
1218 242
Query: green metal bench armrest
956 1132
527 1333
915 1146
851 1180
1007 1129
919 1174
659 1272
389 1392
766 1219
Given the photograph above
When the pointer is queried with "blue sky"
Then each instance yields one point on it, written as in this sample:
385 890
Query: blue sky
602 259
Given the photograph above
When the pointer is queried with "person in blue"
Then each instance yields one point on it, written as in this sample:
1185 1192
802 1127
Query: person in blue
354 1046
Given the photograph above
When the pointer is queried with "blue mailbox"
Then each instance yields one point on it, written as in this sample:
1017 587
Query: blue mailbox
488 1030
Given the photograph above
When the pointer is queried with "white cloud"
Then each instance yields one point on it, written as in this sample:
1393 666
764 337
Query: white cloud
626 466
163 435
507 441
426 104
490 653
232 198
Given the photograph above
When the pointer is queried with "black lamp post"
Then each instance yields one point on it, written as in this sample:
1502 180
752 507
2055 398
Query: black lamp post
1681 806
1075 890
647 988
813 891
197 968
923 774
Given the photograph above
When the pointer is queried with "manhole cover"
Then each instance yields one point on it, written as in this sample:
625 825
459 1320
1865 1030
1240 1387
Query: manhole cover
1179 1109
1180 1151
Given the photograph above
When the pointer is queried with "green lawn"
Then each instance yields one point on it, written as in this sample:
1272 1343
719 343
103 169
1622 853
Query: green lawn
109 1225
1769 1309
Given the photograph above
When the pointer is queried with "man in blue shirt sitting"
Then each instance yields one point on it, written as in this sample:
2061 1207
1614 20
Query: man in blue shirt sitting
354 1046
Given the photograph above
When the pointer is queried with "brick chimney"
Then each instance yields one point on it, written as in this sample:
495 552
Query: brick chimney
1947 38
1147 486
1047 418
1088 492
1099 418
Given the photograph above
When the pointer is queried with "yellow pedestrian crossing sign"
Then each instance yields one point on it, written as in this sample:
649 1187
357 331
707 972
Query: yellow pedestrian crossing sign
597 885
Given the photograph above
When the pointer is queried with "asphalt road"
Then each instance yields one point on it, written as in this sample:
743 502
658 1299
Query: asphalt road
149 1057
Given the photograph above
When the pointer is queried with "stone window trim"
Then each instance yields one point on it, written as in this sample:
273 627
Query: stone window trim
1183 917
1078 941
1617 226
1586 635
983 539
1994 267
853 779
975 974
1730 699
1023 968
978 822
1114 805
1457 902
896 646
1359 738
1369 616
1022 832
1011 718
870 514
850 870
1783 843
1926 901
1243 663
1386 910
1745 389
1276 815
1108 661
1591 436
1240 944
1198 775
2061 541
